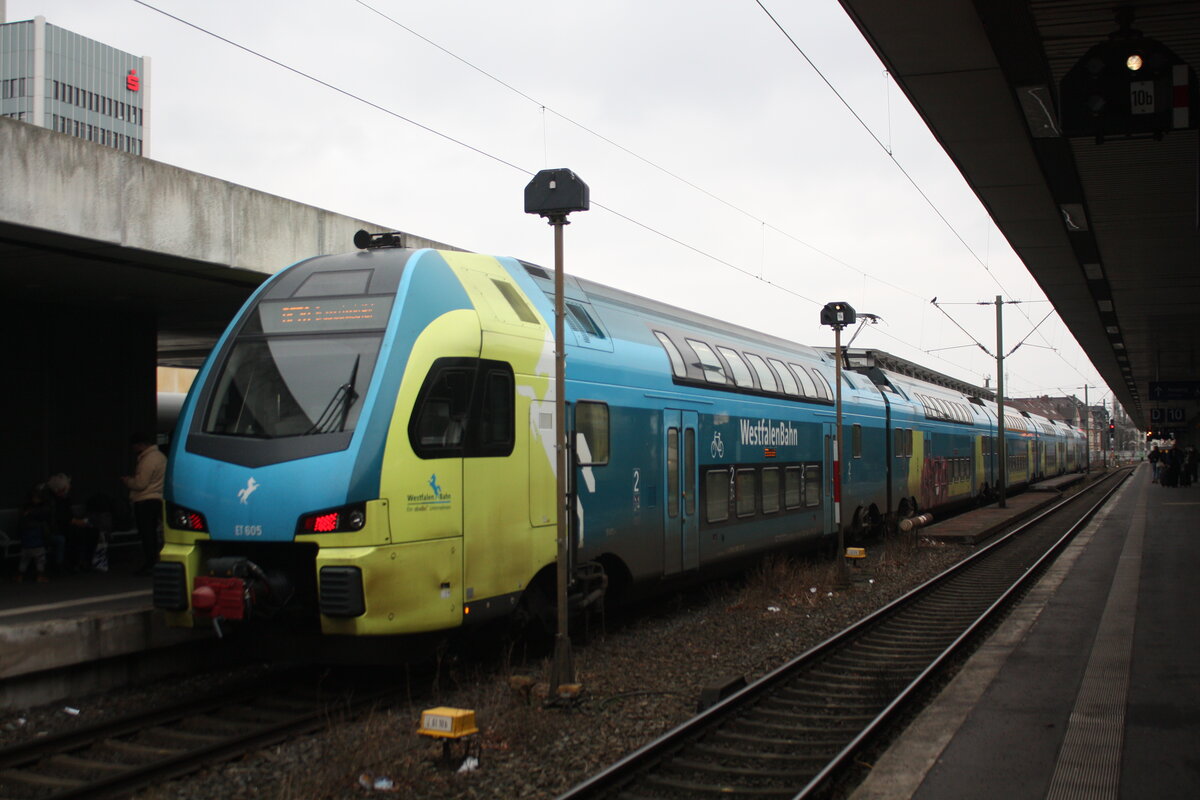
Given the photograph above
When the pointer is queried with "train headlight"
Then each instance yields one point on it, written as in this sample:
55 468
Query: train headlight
185 519
334 520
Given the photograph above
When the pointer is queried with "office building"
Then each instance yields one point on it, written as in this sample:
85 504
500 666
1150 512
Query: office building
69 83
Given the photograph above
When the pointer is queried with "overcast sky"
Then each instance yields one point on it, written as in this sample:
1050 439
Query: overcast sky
734 180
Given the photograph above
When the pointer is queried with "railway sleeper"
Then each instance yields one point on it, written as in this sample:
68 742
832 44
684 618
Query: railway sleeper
87 765
36 780
835 727
860 654
837 714
808 758
142 752
692 789
825 696
820 707
866 674
192 737
754 773
822 743
218 724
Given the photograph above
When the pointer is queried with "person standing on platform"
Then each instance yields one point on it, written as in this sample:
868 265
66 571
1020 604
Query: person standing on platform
1156 463
146 494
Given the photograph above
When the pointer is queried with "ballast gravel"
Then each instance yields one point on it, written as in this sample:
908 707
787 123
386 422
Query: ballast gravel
639 679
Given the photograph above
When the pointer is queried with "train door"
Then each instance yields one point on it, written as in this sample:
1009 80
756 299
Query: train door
681 540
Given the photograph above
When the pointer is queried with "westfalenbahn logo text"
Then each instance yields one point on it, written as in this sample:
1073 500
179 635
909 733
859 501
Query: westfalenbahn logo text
768 432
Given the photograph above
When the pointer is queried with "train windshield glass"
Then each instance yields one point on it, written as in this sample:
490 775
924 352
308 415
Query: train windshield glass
273 387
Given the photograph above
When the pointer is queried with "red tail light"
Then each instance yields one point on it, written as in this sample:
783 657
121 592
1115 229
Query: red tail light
185 519
335 520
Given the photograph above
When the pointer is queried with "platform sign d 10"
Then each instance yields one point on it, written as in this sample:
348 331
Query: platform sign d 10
1168 416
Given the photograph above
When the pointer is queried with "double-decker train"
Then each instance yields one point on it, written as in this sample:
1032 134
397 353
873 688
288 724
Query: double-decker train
370 447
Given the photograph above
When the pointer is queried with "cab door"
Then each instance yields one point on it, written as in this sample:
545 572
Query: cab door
681 539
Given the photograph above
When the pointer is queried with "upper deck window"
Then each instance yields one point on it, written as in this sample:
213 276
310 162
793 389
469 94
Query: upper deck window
807 387
785 376
741 374
765 378
708 361
678 368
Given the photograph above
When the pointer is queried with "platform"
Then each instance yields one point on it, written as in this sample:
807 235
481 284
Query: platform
1090 688
983 523
74 634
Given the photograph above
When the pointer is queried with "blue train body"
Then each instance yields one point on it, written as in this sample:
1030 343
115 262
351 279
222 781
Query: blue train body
370 448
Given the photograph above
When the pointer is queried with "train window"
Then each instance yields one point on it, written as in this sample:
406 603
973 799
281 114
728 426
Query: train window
292 386
716 495
785 377
677 366
497 414
689 471
591 423
439 423
707 361
334 282
908 442
466 407
856 441
744 491
579 319
741 373
673 472
765 378
812 485
823 383
510 293
807 387
770 490
793 488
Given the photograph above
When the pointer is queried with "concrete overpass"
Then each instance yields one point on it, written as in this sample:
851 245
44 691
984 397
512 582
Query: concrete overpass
112 264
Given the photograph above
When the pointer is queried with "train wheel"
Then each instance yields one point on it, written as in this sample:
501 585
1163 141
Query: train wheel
534 617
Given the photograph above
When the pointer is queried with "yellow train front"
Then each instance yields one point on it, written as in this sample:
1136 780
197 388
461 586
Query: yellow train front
317 476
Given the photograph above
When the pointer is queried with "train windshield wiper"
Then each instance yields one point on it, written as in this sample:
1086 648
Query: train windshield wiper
337 411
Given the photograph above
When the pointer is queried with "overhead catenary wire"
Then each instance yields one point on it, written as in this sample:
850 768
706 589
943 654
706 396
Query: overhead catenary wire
482 152
633 154
888 150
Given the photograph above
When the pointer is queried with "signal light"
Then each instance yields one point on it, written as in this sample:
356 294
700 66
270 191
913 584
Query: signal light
335 520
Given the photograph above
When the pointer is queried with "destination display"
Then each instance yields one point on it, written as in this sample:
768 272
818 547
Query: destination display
328 315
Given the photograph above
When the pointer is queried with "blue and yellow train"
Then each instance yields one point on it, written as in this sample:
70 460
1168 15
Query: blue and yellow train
370 450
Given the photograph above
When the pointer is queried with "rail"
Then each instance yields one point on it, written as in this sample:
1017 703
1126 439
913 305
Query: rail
788 734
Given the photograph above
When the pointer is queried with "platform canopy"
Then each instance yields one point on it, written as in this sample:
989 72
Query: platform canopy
1094 181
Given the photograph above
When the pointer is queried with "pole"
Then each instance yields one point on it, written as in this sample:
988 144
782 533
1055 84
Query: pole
1103 435
843 577
1002 472
563 670
1087 433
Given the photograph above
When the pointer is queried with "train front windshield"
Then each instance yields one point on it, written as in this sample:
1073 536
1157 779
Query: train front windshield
298 368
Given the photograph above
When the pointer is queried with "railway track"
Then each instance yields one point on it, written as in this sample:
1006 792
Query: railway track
793 732
113 759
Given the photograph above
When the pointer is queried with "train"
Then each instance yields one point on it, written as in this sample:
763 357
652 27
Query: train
369 449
